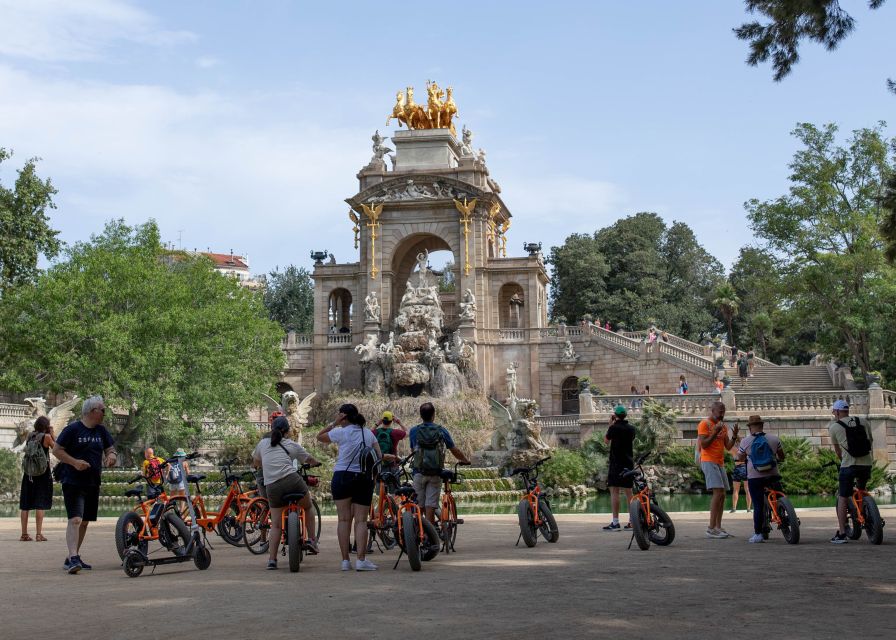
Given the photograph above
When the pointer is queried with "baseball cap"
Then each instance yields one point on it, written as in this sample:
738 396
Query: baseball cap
840 405
619 410
387 415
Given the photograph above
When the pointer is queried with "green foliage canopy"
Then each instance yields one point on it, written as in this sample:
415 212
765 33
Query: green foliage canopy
162 336
289 298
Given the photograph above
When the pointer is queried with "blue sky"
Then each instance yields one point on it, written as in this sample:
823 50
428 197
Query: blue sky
241 126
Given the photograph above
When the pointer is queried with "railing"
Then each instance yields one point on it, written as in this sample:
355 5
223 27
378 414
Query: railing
14 410
549 332
564 421
575 331
675 353
806 402
294 340
759 362
890 400
511 335
339 338
687 405
616 340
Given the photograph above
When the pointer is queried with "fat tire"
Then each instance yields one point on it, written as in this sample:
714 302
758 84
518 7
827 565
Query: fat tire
431 546
174 533
202 557
790 523
230 529
853 528
527 523
411 543
127 532
294 541
549 530
257 526
662 530
133 563
874 526
638 519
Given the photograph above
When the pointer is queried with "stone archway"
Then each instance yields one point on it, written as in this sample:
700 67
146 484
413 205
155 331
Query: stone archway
339 311
569 396
512 307
404 258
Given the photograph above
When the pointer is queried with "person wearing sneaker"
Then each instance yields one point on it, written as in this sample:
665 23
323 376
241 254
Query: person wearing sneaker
352 490
275 455
713 439
620 436
759 479
83 448
854 449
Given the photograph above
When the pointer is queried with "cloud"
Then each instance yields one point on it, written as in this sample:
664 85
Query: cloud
61 30
207 62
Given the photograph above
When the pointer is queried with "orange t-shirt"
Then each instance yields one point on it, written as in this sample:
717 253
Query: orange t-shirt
715 452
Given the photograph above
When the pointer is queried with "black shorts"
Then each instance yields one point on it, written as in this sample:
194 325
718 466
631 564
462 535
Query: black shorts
615 479
350 484
850 476
81 502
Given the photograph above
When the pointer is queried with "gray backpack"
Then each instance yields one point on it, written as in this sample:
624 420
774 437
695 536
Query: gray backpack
35 462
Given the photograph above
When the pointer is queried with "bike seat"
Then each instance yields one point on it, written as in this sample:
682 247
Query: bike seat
195 478
293 497
407 492
133 493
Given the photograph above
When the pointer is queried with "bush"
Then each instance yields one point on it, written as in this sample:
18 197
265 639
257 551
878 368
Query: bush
565 469
10 471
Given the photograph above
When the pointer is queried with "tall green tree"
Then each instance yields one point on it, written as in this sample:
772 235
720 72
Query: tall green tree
888 224
789 22
25 232
289 298
579 270
163 337
826 233
727 302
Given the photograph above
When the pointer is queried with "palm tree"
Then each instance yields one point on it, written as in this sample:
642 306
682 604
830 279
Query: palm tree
726 301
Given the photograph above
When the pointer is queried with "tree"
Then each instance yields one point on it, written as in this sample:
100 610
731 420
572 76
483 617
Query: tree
161 336
25 232
578 277
289 298
792 21
726 302
826 234
888 225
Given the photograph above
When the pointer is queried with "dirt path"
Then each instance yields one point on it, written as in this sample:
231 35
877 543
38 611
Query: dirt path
586 585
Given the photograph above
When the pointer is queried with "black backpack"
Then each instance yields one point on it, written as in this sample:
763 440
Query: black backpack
857 441
429 457
367 456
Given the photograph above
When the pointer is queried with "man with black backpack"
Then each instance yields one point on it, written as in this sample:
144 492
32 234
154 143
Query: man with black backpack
852 444
429 442
762 453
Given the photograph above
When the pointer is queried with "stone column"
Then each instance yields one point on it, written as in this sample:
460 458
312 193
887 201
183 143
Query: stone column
878 426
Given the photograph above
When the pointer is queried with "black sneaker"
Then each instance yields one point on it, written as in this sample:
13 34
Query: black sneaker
272 565
73 565
84 565
613 526
839 538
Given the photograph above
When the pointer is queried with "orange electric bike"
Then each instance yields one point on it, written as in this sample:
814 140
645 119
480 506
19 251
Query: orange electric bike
384 512
416 536
447 511
649 522
534 510
862 514
149 521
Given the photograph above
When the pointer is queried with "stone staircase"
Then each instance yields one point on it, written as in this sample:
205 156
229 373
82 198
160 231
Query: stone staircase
798 378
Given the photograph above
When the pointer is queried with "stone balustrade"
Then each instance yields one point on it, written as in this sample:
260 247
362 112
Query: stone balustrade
297 340
14 410
889 398
344 339
692 404
512 335
673 353
801 402
615 340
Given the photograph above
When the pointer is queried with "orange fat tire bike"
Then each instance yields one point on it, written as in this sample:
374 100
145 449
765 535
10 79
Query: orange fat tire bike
534 510
780 512
447 511
416 536
650 523
151 520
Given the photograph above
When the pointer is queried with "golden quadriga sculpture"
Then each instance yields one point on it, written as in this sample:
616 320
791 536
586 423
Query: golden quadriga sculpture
438 113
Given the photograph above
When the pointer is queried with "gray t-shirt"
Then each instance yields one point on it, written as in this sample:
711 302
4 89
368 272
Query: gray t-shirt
746 444
276 461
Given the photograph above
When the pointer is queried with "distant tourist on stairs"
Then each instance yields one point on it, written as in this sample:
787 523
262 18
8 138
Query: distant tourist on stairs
682 385
751 361
743 370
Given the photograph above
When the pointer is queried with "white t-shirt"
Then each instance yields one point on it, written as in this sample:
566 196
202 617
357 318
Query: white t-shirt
276 461
350 444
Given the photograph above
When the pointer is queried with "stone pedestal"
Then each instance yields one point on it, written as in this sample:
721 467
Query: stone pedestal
425 149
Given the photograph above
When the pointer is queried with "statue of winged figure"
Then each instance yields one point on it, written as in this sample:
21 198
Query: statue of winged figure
372 213
59 416
295 410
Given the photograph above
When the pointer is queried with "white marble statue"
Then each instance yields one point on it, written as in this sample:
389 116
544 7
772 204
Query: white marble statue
569 353
335 380
371 308
369 349
379 149
466 145
468 306
511 380
480 156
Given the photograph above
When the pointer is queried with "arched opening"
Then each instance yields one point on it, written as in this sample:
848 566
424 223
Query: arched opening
569 394
441 262
283 387
339 311
512 307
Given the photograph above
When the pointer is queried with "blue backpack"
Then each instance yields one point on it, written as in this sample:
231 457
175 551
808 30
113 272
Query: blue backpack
761 454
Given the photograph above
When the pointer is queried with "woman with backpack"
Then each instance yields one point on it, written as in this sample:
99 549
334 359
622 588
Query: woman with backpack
177 478
352 484
37 486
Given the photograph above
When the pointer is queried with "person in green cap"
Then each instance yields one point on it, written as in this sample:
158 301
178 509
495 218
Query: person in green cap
620 436
177 478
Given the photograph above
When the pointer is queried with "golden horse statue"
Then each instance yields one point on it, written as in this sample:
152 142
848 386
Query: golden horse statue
438 114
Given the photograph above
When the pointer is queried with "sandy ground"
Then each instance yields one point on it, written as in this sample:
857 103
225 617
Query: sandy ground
586 585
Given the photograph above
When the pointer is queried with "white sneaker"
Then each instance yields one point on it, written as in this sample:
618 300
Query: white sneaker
346 565
725 534
716 533
365 565
756 537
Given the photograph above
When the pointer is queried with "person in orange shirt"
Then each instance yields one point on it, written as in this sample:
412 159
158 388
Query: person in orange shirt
714 439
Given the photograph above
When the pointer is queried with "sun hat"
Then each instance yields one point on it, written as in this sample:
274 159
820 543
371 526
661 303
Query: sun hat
620 410
754 419
180 452
387 415
840 405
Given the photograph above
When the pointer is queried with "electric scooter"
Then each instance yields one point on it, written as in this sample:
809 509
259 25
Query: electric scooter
135 560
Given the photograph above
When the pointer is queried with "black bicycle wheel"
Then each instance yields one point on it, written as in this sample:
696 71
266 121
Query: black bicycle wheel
527 523
257 526
178 504
638 519
790 523
127 534
202 557
661 531
388 533
229 528
548 527
294 541
173 533
411 539
874 526
316 518
431 543
853 527
133 563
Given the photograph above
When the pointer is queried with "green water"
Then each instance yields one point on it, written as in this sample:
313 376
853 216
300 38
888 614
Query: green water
594 504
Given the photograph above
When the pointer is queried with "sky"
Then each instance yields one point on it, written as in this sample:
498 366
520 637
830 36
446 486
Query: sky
241 126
